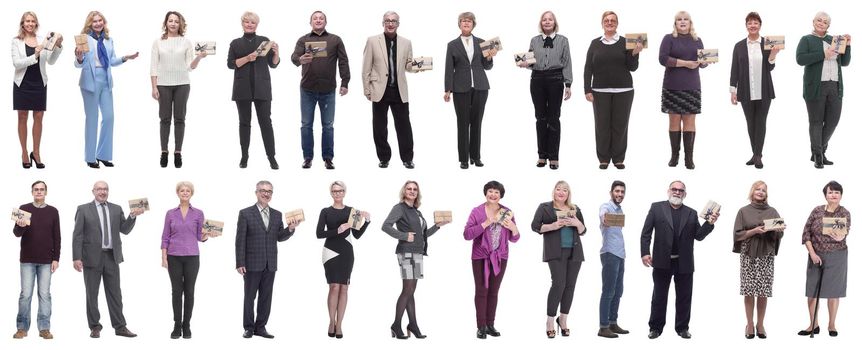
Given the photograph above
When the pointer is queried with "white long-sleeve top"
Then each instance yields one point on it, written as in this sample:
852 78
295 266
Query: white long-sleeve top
171 60
21 61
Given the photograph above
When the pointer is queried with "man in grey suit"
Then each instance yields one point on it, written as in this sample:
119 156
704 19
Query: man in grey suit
258 230
384 83
98 251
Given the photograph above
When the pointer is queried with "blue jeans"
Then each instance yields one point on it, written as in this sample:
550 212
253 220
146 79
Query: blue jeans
326 102
613 269
30 274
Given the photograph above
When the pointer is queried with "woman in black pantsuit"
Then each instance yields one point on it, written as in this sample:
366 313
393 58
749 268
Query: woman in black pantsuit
464 76
30 88
338 253
251 84
561 225
748 60
608 85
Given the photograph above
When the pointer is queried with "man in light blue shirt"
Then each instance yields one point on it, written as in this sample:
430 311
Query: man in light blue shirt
612 254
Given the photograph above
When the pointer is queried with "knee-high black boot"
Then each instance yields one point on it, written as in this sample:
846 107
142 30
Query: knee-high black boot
674 148
688 144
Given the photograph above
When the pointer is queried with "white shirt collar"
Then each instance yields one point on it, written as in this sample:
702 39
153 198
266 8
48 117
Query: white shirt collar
614 39
749 41
553 36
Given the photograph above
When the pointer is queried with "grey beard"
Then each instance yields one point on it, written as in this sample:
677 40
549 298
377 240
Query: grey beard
675 200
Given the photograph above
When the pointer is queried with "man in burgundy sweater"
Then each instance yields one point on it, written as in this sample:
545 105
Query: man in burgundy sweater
40 254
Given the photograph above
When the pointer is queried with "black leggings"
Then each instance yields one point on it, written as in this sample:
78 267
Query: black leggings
564 276
183 271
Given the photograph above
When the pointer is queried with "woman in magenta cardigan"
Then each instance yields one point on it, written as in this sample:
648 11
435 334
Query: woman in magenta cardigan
491 226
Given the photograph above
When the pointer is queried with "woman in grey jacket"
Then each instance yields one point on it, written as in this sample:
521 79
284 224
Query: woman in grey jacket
405 223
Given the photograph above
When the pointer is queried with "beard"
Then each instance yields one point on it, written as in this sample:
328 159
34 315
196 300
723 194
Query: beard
676 201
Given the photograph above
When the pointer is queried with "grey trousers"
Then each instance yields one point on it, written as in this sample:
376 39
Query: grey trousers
823 115
172 102
109 272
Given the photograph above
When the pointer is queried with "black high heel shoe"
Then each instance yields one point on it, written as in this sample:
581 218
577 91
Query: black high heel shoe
414 329
106 163
338 335
563 331
163 160
816 330
477 162
397 333
94 165
749 335
34 161
332 333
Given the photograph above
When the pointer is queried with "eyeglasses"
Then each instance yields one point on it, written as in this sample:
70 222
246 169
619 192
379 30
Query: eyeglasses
391 21
337 191
100 189
265 191
677 190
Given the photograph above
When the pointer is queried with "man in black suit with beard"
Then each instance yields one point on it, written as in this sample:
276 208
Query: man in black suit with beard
676 227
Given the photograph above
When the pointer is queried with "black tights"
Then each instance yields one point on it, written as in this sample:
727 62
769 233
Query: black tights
406 302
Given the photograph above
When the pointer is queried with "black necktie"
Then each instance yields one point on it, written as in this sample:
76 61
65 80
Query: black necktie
391 63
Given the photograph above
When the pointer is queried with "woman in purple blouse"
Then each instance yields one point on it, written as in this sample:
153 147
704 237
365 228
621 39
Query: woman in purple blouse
181 256
680 93
491 226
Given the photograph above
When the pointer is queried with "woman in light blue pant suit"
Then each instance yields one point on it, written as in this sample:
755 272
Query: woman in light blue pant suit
96 84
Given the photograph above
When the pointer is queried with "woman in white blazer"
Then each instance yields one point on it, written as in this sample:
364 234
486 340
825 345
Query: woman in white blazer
96 88
29 93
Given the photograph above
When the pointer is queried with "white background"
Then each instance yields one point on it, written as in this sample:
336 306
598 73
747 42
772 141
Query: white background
445 297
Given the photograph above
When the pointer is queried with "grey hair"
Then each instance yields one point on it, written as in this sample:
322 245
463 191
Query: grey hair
338 183
388 13
823 14
261 183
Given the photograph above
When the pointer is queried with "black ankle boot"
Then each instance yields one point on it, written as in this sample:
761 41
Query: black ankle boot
674 148
688 144
178 330
187 331
163 161
818 160
178 160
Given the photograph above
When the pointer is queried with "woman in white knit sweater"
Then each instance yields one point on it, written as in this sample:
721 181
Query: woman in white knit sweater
173 56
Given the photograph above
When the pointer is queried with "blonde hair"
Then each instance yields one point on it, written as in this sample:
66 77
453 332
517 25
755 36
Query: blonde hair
185 184
556 24
565 185
21 32
89 22
754 187
467 15
181 31
403 193
251 16
608 13
684 14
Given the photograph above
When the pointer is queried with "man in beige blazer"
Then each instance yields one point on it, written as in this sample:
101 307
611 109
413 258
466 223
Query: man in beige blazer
384 83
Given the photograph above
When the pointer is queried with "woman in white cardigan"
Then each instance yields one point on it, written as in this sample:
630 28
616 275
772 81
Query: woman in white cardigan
29 93
173 56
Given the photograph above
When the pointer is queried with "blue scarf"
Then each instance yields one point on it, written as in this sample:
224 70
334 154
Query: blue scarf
103 52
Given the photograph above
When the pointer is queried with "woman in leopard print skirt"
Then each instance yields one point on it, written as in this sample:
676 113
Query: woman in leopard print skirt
757 246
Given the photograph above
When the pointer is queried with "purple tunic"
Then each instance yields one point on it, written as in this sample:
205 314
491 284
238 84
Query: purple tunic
180 236
682 48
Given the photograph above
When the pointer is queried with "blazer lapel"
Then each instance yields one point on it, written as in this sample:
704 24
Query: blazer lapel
381 45
461 48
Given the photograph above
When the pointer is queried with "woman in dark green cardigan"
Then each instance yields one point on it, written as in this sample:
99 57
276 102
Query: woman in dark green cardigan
822 84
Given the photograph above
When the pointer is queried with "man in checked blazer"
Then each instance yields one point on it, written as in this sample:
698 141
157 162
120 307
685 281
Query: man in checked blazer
676 228
258 231
98 251
384 84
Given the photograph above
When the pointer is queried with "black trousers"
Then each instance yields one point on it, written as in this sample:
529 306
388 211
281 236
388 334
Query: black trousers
172 103
257 284
183 271
755 117
661 284
403 129
823 115
109 272
263 109
469 110
612 111
546 90
564 276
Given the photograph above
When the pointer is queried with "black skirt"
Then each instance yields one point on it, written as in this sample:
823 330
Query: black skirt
680 101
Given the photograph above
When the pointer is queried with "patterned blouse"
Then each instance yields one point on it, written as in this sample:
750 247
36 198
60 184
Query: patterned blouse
813 230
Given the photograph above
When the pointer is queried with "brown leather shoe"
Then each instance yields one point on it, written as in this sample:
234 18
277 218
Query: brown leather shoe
617 329
605 332
20 334
95 332
124 332
46 334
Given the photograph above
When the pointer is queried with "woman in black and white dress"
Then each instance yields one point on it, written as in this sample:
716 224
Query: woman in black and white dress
338 253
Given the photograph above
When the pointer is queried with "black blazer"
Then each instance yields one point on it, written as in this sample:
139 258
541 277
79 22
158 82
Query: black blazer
660 220
552 246
242 84
87 235
256 247
739 72
458 67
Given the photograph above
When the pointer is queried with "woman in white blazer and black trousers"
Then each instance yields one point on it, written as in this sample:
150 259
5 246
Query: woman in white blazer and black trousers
31 83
